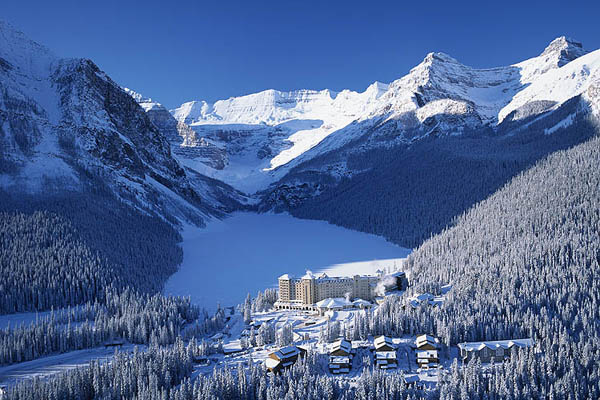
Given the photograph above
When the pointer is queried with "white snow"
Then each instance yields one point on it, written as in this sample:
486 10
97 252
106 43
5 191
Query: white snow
300 125
559 84
47 366
288 123
568 121
248 252
16 320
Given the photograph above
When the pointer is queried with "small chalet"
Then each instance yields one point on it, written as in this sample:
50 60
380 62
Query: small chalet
383 343
426 342
340 357
498 350
427 359
283 358
386 359
339 364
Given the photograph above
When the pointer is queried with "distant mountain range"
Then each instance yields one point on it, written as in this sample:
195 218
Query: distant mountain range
254 140
398 154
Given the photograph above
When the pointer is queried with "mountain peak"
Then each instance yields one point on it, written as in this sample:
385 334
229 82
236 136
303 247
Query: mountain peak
20 52
137 96
566 49
439 57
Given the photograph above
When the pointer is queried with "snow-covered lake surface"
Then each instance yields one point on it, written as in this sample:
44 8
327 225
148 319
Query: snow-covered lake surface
248 252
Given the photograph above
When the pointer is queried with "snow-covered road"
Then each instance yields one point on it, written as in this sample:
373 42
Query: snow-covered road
46 366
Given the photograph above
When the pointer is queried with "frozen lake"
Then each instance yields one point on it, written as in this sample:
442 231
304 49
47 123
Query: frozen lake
248 252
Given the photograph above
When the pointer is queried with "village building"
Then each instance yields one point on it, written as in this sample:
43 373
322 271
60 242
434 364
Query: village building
427 359
386 359
383 343
283 358
362 304
426 342
498 350
340 357
385 356
339 364
333 304
341 347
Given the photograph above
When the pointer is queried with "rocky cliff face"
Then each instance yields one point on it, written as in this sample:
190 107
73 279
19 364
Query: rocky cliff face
64 121
189 149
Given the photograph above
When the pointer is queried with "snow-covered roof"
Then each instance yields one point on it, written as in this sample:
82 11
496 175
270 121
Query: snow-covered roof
424 339
342 345
271 363
446 288
286 276
381 341
493 345
424 297
338 302
361 302
289 350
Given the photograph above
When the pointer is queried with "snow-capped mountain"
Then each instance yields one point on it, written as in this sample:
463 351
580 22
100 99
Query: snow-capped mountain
64 122
441 139
262 136
63 119
261 132
187 145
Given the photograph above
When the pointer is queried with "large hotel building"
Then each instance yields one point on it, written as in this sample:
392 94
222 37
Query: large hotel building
303 293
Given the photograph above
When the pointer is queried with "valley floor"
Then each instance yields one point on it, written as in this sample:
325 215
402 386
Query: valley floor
248 252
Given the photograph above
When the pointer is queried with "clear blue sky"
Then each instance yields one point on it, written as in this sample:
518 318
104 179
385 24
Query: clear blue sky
189 50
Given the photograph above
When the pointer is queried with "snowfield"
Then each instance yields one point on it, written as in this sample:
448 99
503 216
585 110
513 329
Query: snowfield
47 366
248 252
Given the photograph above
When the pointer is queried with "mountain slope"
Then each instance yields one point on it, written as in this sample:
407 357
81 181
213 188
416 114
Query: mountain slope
265 135
408 181
260 132
189 149
62 120
524 263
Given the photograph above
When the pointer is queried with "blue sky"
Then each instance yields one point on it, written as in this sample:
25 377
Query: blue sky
191 50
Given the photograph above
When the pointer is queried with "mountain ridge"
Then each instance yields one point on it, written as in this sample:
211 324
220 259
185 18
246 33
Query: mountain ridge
63 121
261 137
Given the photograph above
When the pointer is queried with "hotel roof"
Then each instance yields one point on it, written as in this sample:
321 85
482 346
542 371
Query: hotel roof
493 345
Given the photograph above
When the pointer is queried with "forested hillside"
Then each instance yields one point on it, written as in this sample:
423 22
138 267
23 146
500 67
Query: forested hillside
64 249
525 262
410 193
